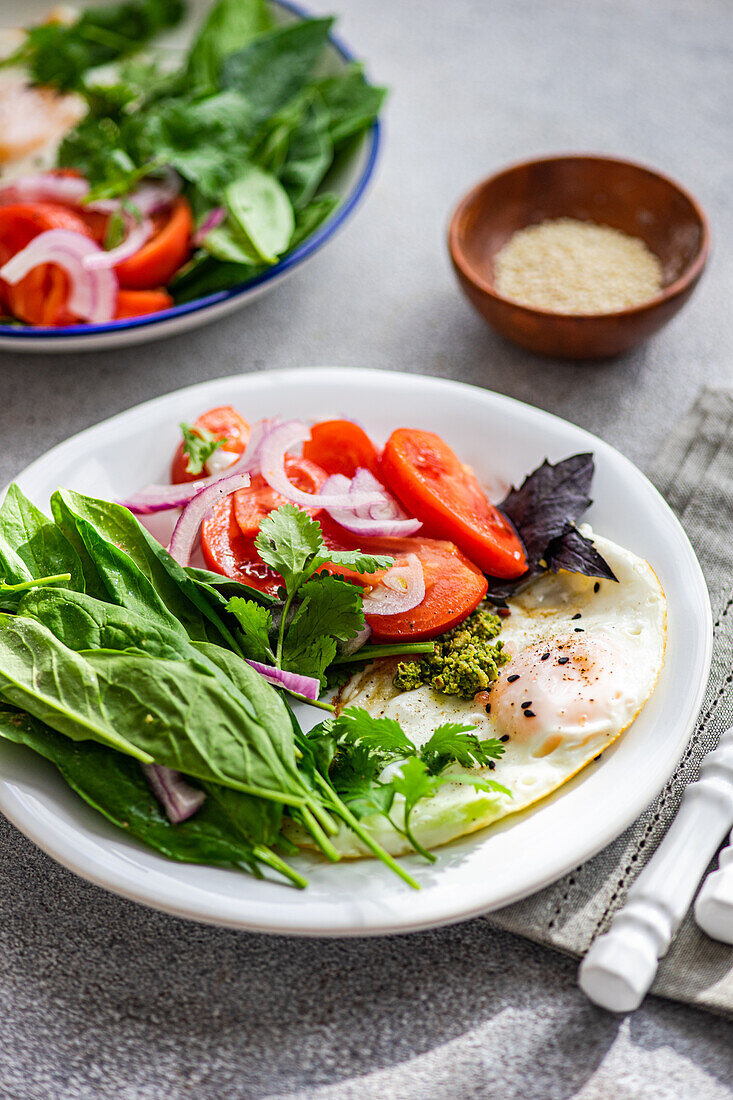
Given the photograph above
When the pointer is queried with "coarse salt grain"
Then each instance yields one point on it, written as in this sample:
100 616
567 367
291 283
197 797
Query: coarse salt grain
570 266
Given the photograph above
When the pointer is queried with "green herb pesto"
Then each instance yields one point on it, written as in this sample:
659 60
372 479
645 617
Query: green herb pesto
466 659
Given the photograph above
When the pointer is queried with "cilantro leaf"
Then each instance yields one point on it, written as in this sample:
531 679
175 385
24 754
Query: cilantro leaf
290 541
256 623
358 561
356 726
329 609
199 444
453 742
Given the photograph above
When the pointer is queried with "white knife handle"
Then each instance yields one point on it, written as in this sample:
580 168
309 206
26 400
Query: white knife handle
620 966
714 905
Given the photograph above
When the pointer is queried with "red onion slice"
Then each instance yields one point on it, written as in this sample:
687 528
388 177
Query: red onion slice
275 446
153 193
159 498
137 232
93 294
400 589
45 187
186 530
179 800
353 645
212 221
306 686
382 519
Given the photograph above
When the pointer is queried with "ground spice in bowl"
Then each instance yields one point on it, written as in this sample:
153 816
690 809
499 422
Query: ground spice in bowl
570 266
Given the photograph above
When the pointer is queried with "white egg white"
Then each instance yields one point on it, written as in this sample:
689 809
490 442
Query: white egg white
585 657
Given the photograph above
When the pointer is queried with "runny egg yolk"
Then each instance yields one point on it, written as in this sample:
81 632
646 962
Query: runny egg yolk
562 691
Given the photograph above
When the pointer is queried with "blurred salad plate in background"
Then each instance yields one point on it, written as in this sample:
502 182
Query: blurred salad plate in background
175 160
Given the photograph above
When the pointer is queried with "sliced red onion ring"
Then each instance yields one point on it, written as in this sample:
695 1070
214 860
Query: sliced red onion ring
153 193
159 498
400 589
137 232
212 220
45 187
93 294
307 686
383 519
179 800
186 530
276 445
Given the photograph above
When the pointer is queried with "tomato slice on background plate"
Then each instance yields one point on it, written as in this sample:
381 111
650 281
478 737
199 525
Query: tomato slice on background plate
136 303
158 260
252 504
40 297
434 485
224 422
341 447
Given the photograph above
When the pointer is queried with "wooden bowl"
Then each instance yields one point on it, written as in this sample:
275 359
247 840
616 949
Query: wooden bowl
626 196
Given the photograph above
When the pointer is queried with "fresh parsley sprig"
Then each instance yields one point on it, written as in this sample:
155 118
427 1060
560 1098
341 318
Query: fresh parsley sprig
355 748
199 444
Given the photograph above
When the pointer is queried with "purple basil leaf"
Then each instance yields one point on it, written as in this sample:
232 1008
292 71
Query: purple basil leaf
577 554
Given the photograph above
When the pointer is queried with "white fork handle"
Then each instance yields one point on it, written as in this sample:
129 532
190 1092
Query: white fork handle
714 905
620 966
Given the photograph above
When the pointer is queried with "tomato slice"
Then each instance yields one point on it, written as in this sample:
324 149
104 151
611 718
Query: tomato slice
228 552
341 447
158 260
432 483
252 504
224 422
136 303
40 297
454 586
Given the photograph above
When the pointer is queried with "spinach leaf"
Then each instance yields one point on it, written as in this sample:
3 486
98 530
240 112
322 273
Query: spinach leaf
31 546
260 215
229 25
270 70
309 155
156 709
205 274
113 784
312 216
351 103
255 819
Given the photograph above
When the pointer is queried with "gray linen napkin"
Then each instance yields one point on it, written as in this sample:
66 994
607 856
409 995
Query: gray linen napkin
695 473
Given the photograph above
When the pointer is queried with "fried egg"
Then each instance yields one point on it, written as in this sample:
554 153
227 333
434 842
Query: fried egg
585 657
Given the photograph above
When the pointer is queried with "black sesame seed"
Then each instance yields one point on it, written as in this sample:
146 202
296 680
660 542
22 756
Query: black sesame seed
579 630
529 714
563 660
597 586
600 754
504 737
528 703
578 616
492 765
511 679
544 656
488 708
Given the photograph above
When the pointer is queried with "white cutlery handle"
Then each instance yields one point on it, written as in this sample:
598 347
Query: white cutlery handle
714 905
620 966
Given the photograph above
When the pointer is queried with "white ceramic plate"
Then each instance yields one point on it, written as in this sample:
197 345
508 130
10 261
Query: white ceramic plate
349 181
502 439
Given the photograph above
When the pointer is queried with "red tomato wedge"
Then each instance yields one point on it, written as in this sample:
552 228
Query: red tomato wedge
228 552
40 297
433 484
454 586
341 447
223 422
158 260
252 504
136 303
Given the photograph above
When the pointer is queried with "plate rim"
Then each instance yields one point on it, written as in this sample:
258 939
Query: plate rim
11 804
46 336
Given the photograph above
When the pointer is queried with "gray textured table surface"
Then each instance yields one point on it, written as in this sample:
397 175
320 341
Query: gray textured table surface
101 998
